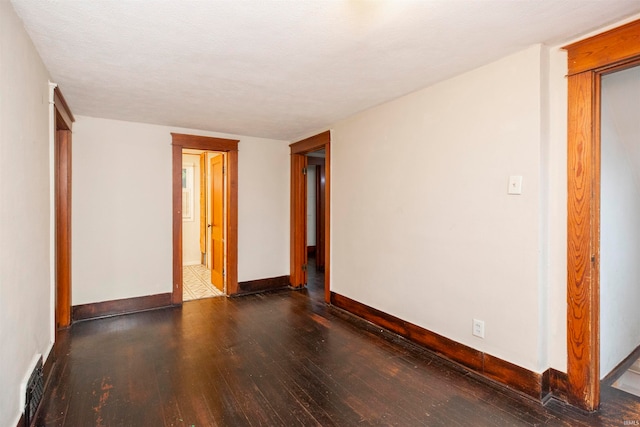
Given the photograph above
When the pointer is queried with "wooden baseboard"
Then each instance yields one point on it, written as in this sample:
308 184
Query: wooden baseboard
311 250
558 383
262 285
22 421
120 306
513 376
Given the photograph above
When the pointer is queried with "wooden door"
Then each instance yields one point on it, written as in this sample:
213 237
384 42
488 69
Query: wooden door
216 172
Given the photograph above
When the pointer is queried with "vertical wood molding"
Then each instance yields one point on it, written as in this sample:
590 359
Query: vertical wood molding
197 142
327 221
588 60
298 255
63 228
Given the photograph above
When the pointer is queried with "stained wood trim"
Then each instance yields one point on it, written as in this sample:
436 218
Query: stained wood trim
327 222
589 59
515 377
262 285
199 142
298 255
611 47
558 383
298 232
313 143
230 146
120 306
64 117
63 183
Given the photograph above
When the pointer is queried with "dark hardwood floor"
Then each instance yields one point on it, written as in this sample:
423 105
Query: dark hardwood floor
282 358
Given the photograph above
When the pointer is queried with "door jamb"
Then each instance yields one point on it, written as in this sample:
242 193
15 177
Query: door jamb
62 176
588 60
298 248
229 146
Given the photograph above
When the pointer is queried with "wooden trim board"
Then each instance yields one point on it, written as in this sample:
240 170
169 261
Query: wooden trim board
120 306
262 285
588 60
519 379
230 146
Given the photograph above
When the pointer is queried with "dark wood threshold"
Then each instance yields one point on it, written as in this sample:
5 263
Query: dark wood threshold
621 368
262 285
120 306
531 384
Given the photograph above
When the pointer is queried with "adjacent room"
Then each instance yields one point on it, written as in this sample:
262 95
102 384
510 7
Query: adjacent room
339 212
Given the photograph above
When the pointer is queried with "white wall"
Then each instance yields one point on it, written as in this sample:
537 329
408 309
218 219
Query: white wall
619 227
122 209
191 254
422 226
311 206
25 293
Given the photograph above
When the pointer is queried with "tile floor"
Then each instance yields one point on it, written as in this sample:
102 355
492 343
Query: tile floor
630 380
196 283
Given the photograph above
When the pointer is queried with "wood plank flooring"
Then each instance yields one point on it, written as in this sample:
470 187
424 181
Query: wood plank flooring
277 359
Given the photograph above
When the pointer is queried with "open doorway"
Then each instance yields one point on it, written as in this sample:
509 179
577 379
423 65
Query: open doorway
203 224
302 161
588 61
229 264
620 230
316 200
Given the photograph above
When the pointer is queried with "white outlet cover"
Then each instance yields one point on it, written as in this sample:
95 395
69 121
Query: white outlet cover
515 184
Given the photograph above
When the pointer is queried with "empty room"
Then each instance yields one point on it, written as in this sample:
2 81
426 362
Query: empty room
341 212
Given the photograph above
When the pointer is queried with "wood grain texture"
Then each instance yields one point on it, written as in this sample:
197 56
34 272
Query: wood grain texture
604 50
589 59
262 285
176 186
277 359
199 142
63 185
298 234
230 147
582 246
313 143
64 116
327 222
121 306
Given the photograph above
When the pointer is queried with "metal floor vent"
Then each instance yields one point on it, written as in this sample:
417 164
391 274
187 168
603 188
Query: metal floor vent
35 390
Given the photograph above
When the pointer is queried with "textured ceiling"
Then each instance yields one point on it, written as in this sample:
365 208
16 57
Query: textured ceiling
280 69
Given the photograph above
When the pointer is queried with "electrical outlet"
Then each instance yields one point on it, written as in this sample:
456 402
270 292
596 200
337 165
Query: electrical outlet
478 328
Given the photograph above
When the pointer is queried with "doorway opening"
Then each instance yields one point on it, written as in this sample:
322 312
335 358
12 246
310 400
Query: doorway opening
203 224
222 158
310 218
588 61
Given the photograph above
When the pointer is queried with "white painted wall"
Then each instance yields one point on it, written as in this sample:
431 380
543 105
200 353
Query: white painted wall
311 206
191 229
422 226
25 292
122 209
619 227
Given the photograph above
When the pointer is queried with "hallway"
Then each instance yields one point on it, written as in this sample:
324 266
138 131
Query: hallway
281 358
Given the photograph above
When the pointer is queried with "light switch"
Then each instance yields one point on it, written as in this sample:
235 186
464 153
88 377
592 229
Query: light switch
515 184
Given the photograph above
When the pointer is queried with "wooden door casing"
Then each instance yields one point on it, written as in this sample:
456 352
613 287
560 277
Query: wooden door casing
588 60
217 221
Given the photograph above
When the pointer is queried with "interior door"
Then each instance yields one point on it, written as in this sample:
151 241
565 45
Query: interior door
216 171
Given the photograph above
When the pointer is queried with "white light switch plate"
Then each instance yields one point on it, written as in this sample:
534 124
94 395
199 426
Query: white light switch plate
515 184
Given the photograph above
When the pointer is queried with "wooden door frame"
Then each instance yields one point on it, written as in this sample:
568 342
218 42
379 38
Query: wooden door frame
207 143
588 60
298 249
62 198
